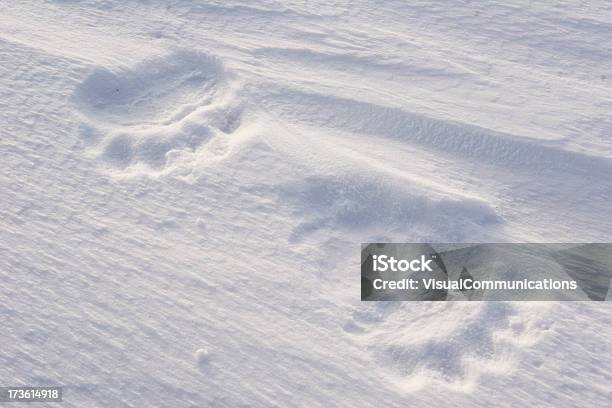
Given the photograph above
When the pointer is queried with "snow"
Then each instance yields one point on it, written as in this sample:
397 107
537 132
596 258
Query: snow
185 185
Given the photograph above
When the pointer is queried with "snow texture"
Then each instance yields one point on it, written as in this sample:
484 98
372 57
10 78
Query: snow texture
185 185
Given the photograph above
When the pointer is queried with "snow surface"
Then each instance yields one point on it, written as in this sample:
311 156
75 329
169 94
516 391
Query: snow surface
185 185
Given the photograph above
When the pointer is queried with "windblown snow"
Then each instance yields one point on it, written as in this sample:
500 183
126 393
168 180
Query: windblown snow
185 185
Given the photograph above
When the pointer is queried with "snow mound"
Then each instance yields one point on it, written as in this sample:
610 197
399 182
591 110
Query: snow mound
202 357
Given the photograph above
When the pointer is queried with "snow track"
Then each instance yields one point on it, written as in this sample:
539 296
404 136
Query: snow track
156 112
184 188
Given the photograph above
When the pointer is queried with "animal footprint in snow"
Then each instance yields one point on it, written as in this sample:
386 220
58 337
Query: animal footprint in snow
450 344
158 90
162 107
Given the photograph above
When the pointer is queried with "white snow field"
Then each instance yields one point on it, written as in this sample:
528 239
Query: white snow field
184 187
